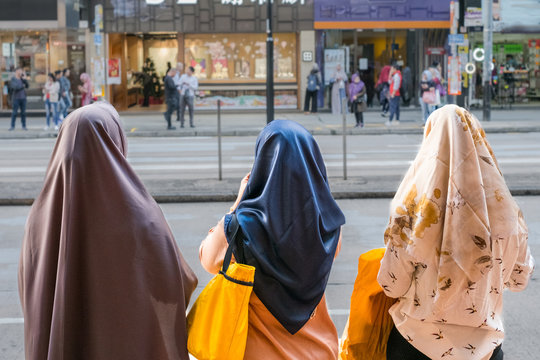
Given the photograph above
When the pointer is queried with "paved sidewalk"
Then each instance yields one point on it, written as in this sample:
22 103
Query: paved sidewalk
152 124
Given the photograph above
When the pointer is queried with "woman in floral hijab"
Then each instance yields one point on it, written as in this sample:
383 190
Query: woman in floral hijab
456 239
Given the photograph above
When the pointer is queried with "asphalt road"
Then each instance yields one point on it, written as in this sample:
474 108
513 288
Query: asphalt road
366 221
25 160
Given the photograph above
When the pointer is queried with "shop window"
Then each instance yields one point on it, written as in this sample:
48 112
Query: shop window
239 57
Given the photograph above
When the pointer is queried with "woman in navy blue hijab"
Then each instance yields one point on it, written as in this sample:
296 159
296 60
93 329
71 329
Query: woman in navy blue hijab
290 231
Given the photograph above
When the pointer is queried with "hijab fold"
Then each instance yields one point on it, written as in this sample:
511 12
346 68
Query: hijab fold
100 276
290 223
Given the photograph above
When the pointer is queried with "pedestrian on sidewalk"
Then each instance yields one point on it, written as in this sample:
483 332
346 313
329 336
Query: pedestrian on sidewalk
58 76
85 89
292 247
18 85
312 90
171 97
357 98
177 76
51 95
394 93
339 84
100 274
456 240
427 94
188 85
66 92
382 89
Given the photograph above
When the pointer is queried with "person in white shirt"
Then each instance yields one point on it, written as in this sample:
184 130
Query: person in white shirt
176 78
188 85
455 241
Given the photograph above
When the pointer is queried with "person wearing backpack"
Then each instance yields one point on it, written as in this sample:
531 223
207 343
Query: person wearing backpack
17 85
313 86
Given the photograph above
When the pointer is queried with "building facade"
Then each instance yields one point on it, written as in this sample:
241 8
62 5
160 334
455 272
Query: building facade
224 40
41 36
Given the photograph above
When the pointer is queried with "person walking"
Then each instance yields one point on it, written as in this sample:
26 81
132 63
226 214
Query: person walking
438 81
100 274
85 89
188 85
180 99
312 90
18 85
394 93
51 95
292 247
427 94
455 241
66 92
357 98
58 77
339 83
171 97
382 89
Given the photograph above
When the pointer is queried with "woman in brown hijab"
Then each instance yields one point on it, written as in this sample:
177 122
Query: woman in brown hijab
100 276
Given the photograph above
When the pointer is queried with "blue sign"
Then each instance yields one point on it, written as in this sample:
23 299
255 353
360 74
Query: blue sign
456 39
98 39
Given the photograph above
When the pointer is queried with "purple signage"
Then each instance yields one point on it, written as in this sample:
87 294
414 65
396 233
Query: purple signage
381 10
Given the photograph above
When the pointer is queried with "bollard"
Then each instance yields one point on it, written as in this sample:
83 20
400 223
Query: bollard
344 115
220 175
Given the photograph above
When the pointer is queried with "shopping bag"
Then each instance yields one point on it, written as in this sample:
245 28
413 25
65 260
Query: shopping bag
429 97
369 324
218 321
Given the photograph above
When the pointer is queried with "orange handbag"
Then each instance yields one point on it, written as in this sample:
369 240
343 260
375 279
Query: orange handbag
369 324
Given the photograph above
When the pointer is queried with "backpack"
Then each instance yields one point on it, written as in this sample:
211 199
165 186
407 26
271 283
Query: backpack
312 82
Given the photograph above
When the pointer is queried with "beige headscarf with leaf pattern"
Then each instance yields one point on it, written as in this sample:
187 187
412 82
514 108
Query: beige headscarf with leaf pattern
456 189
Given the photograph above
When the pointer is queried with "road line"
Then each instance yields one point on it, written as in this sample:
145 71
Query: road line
11 321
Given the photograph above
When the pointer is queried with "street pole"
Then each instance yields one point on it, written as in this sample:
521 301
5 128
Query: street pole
220 159
269 64
344 130
487 14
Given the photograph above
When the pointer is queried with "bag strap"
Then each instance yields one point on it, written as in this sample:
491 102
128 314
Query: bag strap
228 255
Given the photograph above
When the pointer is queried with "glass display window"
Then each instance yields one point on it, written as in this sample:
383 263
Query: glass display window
239 57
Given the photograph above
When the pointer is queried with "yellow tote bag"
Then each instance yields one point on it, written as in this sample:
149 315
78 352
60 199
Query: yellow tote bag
218 321
369 324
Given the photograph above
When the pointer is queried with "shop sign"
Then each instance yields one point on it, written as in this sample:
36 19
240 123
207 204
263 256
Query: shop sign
473 17
7 49
435 51
511 48
307 56
241 2
456 39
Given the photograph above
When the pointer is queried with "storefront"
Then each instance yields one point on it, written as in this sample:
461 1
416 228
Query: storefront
516 51
228 51
32 37
371 36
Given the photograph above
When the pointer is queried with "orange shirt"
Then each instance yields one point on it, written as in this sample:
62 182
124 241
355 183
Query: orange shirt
267 338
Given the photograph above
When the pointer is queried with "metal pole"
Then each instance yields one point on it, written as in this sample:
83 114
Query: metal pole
344 115
269 64
219 138
487 14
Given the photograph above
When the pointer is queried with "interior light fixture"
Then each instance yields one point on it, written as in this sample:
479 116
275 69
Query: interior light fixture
154 2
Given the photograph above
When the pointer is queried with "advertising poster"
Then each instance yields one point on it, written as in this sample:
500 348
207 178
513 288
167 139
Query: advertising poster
454 76
113 72
333 58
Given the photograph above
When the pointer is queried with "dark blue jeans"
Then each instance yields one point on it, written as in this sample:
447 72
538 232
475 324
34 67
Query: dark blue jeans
19 103
394 107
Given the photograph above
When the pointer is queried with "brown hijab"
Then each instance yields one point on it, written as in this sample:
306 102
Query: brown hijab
100 275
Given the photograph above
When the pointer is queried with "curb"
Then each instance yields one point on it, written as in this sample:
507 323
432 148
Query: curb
190 198
239 133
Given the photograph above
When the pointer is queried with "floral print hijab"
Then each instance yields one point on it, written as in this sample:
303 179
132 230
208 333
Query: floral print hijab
454 200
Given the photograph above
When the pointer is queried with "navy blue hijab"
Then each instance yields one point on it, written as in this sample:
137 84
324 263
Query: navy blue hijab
290 223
